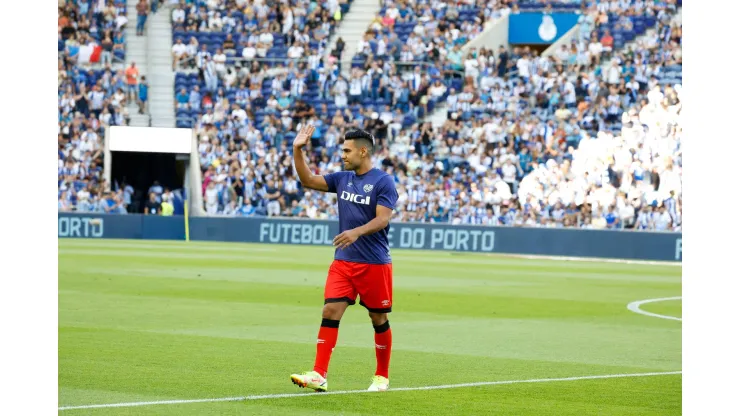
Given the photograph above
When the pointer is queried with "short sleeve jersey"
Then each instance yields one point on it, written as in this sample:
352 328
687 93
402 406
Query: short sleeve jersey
358 197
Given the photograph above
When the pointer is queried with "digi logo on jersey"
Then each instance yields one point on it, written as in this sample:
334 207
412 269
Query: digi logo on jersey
357 199
80 227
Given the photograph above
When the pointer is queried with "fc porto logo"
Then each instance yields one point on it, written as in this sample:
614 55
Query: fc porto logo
548 30
367 188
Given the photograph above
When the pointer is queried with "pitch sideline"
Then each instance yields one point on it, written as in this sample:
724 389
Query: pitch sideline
635 307
291 395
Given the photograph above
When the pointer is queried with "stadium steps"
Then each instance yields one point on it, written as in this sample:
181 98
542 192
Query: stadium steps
161 76
353 25
438 116
135 52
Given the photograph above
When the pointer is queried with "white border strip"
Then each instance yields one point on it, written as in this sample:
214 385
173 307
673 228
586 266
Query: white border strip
635 307
445 386
597 260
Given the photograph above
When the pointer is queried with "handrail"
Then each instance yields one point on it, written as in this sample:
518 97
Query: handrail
148 62
285 62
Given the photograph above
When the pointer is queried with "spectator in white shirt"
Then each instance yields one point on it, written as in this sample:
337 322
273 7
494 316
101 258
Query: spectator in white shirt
178 15
179 53
219 59
509 172
523 66
249 52
662 219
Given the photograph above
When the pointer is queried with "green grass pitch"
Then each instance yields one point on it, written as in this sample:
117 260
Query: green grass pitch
155 321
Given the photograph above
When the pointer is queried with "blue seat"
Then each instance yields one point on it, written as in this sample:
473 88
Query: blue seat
407 121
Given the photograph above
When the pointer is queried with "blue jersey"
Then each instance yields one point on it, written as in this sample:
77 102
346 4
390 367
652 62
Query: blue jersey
358 196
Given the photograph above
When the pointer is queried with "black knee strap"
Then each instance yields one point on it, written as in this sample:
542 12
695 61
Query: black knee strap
382 327
330 323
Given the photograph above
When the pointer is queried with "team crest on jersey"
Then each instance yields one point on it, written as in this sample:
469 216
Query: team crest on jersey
367 188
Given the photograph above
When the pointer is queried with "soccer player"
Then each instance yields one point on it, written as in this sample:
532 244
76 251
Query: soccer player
362 261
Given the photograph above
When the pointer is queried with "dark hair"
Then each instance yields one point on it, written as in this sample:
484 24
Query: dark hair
360 134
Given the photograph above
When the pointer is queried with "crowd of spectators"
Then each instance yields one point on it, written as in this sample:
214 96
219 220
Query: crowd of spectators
95 90
588 137
218 32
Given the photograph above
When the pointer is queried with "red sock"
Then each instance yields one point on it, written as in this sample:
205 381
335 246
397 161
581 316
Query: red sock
325 345
383 341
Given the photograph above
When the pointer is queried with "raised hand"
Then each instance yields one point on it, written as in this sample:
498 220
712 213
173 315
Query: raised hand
304 135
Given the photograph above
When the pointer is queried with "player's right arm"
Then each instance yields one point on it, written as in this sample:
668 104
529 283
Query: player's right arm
308 179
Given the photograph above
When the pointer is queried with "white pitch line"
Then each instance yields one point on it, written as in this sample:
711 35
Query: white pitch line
635 307
444 386
597 260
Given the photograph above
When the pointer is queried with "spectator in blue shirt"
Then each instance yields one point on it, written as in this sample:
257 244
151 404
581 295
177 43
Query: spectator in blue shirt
182 99
525 160
143 94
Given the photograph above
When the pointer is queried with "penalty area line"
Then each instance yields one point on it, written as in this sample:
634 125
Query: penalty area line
635 307
439 387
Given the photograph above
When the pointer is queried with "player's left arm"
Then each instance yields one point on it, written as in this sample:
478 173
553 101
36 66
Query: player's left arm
381 220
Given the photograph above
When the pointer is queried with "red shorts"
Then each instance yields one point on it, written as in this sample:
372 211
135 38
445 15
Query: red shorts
373 282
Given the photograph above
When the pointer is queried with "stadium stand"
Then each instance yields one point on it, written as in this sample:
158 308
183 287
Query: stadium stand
587 137
270 31
93 93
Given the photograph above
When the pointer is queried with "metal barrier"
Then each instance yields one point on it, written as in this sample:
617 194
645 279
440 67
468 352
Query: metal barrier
282 65
185 121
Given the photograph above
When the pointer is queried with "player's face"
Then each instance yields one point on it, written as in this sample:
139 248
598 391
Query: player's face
352 154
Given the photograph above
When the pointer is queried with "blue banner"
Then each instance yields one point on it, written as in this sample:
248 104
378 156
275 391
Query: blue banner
145 227
539 28
633 245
